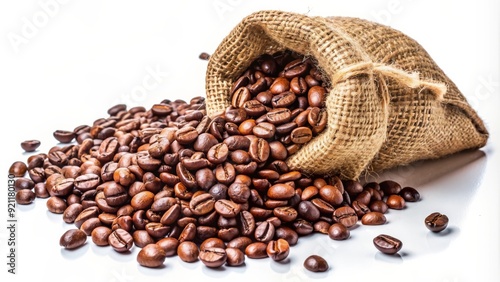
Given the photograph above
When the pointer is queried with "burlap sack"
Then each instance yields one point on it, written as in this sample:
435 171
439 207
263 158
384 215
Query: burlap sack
389 103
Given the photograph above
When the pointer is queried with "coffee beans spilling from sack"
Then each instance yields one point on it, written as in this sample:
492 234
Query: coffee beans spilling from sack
387 103
174 181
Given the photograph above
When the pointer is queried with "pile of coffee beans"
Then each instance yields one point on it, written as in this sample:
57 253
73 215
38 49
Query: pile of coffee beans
173 181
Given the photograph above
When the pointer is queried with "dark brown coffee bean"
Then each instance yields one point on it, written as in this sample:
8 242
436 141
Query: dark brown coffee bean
295 68
72 239
308 211
237 143
345 215
56 205
186 135
410 194
279 116
317 118
259 150
37 174
227 208
30 145
107 149
264 130
240 82
188 251
353 187
283 100
279 85
390 187
225 173
24 183
286 213
436 222
64 136
316 263
213 257
264 232
281 191
151 255
246 223
235 256
25 197
256 250
287 234
387 244
120 240
316 96
218 153
89 225
169 246
331 194
395 202
240 96
321 226
301 135
235 115
202 204
338 231
278 250
373 218
142 238
72 212
298 85
100 235
379 206
41 191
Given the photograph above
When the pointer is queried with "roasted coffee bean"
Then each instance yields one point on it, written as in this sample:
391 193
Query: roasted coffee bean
100 235
64 136
345 215
213 257
56 204
303 227
89 225
301 135
142 201
227 208
436 222
120 240
277 150
285 213
317 118
188 251
331 194
281 191
321 226
24 183
256 250
283 100
278 250
30 145
72 212
264 130
41 191
295 68
395 202
240 96
298 85
316 96
316 263
142 238
308 211
409 194
151 255
360 208
235 256
186 135
240 82
279 116
373 218
202 204
259 150
338 231
72 239
264 232
387 244
390 187
225 173
169 246
379 206
25 197
255 108
235 115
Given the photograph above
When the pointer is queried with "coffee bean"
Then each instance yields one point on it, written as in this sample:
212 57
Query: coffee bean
285 213
317 118
25 197
345 215
373 218
72 239
338 231
225 173
259 150
390 187
100 235
64 136
316 96
151 255
315 263
279 116
295 68
142 238
30 145
395 202
202 204
213 257
188 251
331 195
240 82
256 250
409 194
264 232
120 240
278 250
303 227
301 135
89 225
379 206
281 192
321 226
169 246
240 96
56 205
436 222
235 256
387 244
308 211
227 208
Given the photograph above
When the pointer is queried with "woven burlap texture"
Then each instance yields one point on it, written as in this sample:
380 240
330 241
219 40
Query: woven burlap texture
389 104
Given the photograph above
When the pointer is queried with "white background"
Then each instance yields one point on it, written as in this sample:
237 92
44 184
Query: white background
65 64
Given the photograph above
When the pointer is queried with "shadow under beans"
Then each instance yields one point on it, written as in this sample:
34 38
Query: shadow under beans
75 253
396 258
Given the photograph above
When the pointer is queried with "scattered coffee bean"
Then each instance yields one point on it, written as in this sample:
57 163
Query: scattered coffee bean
316 263
373 218
436 222
387 244
213 257
204 56
188 251
25 197
151 255
410 194
338 231
30 145
18 169
72 239
235 257
278 250
396 202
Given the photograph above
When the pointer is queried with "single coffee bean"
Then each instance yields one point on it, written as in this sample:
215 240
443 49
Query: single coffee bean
256 250
264 232
316 263
285 213
298 85
387 244
202 204
279 116
316 96
303 227
25 197
338 231
120 240
72 239
30 145
188 251
279 85
345 215
308 211
360 208
281 191
390 187
373 218
295 68
212 243
41 191
283 100
89 225
227 208
259 150
395 202
235 256
142 200
64 136
240 82
213 257
18 169
301 135
317 118
410 194
142 238
278 250
169 246
379 206
56 205
100 235
321 226
151 255
331 194
240 96
436 222
225 173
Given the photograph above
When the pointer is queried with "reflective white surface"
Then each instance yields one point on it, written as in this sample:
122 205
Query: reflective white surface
84 57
